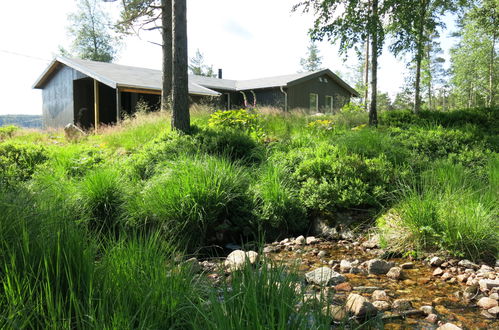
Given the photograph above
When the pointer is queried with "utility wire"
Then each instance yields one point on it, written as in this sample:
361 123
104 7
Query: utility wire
24 55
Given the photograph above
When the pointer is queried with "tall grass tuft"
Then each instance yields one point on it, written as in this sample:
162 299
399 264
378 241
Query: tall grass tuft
451 209
196 197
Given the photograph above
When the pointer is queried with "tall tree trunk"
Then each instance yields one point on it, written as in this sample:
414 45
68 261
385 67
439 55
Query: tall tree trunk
180 85
166 20
419 57
373 115
366 76
491 71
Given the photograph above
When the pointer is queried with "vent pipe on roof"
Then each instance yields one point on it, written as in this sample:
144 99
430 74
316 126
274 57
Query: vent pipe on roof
219 73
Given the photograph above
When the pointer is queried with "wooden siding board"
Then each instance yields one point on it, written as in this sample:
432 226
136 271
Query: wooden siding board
298 95
57 98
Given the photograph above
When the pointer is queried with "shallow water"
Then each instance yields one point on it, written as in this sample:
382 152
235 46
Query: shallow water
418 285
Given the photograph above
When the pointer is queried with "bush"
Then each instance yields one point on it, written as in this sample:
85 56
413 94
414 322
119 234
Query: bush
278 207
330 180
7 131
238 120
196 199
19 161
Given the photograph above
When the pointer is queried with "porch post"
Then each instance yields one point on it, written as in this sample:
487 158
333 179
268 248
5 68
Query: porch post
118 105
96 104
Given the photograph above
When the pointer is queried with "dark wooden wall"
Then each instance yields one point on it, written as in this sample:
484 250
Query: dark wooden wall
299 95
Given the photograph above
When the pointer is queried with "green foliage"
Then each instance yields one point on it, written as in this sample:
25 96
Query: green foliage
19 161
7 131
313 61
199 68
90 29
240 120
277 206
321 125
451 209
352 108
196 198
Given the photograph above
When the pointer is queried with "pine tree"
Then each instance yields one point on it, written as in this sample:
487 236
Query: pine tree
312 62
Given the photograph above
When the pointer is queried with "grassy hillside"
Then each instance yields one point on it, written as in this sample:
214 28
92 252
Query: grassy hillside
83 222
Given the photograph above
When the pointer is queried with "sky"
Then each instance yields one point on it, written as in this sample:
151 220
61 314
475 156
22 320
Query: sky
235 35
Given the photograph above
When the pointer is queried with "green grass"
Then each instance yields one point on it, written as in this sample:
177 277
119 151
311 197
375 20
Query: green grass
93 233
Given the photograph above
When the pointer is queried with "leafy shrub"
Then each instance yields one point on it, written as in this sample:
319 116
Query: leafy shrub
321 125
7 131
352 108
102 195
234 145
277 205
240 120
19 161
195 199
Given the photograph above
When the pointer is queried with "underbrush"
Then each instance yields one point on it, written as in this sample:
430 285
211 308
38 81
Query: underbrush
451 208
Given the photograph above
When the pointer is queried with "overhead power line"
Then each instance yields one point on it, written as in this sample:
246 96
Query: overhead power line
24 55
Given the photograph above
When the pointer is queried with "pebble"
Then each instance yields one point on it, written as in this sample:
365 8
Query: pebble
432 318
467 264
321 254
487 303
402 304
438 272
395 273
494 311
311 240
449 326
345 286
427 310
407 265
486 285
381 305
360 306
345 266
436 261
380 295
494 296
300 240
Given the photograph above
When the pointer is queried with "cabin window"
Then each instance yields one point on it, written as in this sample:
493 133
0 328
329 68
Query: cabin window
314 102
329 103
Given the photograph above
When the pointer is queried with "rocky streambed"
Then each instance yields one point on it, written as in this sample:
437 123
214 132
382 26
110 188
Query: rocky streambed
362 282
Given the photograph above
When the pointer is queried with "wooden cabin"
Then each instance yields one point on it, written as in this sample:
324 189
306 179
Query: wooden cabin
89 93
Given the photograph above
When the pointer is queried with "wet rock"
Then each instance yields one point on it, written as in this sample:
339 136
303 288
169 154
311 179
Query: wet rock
380 295
494 311
336 267
462 278
337 313
395 273
311 240
452 280
360 306
449 326
284 241
446 276
486 268
366 289
270 249
378 266
236 259
436 261
345 286
322 254
345 266
470 292
300 240
432 318
487 303
407 265
427 310
324 276
487 284
402 304
468 264
487 315
356 270
437 272
382 305
494 296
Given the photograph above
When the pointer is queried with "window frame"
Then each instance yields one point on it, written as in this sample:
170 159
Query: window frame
330 108
316 101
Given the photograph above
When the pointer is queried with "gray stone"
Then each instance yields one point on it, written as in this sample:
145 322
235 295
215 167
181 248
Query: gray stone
395 273
324 276
427 310
380 295
407 265
300 240
494 296
402 304
468 264
310 240
438 271
487 303
378 266
436 261
337 313
322 254
487 284
381 305
237 259
360 306
494 311
432 318
345 266
449 326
